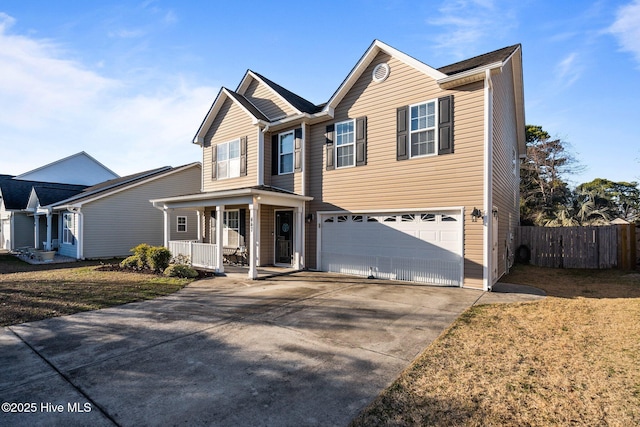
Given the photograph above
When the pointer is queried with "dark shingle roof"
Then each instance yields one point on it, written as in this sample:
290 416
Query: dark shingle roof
124 181
15 192
112 184
479 61
248 105
297 101
48 194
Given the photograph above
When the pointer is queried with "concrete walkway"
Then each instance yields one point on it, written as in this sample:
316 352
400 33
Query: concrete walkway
295 350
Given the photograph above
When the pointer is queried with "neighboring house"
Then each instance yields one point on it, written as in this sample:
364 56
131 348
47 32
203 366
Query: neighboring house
52 182
408 172
108 219
79 168
19 226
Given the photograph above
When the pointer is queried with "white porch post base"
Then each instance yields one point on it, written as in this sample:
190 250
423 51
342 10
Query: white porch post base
253 238
298 228
219 238
48 246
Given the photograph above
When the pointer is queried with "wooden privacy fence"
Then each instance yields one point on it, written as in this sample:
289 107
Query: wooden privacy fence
578 247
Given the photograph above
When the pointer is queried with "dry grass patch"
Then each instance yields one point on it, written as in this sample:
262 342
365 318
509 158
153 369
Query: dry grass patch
564 360
29 293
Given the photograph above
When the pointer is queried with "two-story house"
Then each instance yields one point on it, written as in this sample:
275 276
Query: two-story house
408 172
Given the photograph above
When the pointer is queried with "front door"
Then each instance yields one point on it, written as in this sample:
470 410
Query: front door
284 237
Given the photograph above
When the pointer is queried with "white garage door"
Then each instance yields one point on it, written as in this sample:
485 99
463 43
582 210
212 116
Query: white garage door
423 247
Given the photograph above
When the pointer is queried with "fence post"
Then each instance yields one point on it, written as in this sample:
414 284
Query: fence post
191 252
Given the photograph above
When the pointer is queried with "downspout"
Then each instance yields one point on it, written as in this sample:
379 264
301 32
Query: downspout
487 183
80 249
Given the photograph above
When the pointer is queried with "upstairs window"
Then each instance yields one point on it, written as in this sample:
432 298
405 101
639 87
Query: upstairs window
345 143
228 159
423 129
285 153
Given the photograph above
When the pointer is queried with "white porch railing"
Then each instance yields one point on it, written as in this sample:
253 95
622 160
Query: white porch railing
200 254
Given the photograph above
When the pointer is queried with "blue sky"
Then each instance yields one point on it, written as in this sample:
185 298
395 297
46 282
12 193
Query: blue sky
129 82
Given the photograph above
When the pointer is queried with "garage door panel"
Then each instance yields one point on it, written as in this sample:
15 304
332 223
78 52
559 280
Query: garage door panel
419 247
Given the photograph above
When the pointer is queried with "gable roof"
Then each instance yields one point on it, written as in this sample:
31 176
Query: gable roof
72 163
252 111
497 56
119 184
16 192
296 101
376 47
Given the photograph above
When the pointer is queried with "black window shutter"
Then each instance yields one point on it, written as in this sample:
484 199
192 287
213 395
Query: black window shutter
330 147
243 226
243 156
274 154
402 152
214 163
361 141
445 125
297 150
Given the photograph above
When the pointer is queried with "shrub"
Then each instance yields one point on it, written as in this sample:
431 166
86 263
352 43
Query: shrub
133 262
158 258
180 270
142 251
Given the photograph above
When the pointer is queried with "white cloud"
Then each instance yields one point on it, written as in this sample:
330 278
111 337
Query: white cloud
626 28
467 24
569 69
51 107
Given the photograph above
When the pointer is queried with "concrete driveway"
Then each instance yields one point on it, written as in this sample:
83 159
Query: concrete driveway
295 350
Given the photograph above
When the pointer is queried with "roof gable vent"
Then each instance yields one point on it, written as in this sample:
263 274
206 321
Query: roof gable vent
380 72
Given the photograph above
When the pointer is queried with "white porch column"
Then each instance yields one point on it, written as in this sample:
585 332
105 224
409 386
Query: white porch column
167 226
36 231
298 228
200 217
48 247
219 237
254 233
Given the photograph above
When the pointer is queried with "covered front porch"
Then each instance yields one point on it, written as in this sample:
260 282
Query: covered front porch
263 225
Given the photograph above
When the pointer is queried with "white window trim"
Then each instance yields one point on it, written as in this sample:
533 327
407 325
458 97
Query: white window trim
67 231
226 228
335 160
293 151
228 161
178 224
435 130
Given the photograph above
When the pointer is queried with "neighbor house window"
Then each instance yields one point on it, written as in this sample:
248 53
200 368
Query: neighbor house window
228 158
67 228
423 128
231 235
285 152
182 224
345 143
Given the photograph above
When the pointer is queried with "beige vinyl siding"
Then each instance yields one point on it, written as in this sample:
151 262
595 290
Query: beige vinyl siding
290 182
231 123
267 101
112 225
505 183
267 225
385 183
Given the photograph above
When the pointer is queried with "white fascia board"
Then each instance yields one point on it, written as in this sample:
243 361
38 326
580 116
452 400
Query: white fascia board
479 72
366 59
213 112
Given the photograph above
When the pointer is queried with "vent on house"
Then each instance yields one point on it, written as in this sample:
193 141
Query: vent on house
380 72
